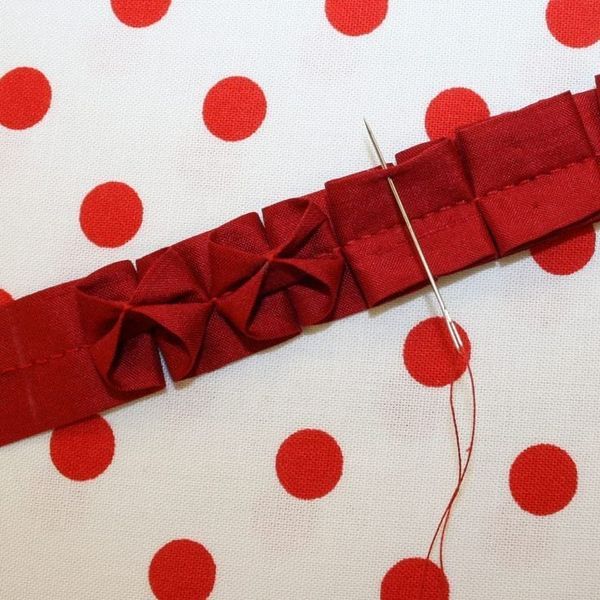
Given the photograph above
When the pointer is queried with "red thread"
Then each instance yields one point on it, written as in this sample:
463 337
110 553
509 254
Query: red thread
444 520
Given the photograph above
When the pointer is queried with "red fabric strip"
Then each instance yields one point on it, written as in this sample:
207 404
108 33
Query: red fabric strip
534 171
436 194
47 375
85 346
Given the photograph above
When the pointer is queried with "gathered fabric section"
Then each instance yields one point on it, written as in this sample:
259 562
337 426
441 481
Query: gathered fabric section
215 297
500 186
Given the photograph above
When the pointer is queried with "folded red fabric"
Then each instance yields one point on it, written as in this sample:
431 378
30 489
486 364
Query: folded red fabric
500 186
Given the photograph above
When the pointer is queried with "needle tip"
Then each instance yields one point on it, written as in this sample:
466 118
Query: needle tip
456 338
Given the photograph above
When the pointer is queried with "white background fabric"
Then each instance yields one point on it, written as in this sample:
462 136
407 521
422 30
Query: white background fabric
197 461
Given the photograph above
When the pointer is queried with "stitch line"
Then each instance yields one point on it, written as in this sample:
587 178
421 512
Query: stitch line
43 361
575 163
462 203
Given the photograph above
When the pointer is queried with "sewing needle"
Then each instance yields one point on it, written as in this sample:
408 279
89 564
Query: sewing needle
449 322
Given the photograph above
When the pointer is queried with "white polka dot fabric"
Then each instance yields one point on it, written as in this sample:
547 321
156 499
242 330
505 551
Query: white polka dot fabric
320 468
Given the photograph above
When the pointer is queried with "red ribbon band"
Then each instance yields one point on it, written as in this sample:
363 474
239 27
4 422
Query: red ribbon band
503 184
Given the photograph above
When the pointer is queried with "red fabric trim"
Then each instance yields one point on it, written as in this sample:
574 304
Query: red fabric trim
88 345
437 196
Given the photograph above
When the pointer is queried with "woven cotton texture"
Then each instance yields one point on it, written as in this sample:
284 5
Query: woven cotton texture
312 469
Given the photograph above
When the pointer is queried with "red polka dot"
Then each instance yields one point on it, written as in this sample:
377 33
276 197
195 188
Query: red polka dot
567 254
574 23
356 17
309 464
5 297
454 108
415 579
182 570
140 13
83 450
25 96
430 356
543 479
234 108
111 214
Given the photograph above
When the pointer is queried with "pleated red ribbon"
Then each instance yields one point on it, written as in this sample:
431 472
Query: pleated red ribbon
503 184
